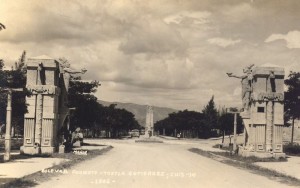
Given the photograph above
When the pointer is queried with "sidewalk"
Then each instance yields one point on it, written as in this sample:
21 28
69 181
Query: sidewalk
19 168
23 167
290 167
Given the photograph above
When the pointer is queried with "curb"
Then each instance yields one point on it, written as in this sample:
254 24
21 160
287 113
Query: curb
149 141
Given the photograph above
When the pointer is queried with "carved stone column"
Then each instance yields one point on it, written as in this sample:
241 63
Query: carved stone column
269 126
39 116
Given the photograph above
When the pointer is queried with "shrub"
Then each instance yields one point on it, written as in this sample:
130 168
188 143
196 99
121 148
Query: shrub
15 144
292 149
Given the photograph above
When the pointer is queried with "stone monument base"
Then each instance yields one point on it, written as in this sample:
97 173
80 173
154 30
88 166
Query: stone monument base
78 143
37 150
30 150
48 150
246 153
149 140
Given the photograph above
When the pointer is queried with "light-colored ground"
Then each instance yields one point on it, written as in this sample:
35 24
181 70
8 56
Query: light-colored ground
22 167
291 167
155 165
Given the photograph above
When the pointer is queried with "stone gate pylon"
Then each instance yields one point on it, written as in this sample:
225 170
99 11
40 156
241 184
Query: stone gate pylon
263 103
41 121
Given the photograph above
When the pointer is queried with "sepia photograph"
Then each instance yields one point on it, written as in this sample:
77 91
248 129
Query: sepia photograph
149 93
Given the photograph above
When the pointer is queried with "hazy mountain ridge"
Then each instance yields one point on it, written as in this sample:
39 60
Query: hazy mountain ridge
140 111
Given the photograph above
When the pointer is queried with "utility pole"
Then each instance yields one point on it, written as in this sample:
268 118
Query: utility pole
234 111
234 131
8 118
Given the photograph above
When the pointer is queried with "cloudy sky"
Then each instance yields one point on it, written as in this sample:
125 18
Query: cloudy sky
172 53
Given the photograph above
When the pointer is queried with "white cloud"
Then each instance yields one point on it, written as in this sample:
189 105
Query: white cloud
173 19
239 12
292 39
150 35
223 42
196 17
161 52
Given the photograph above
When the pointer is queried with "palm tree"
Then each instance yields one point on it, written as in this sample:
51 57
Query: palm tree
2 26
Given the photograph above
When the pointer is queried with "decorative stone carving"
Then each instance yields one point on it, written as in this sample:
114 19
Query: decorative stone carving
246 81
264 96
66 70
43 89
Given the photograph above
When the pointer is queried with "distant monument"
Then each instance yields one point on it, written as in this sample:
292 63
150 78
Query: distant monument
149 128
262 96
48 82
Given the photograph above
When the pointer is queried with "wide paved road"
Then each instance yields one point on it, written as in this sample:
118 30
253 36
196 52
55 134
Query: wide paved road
155 165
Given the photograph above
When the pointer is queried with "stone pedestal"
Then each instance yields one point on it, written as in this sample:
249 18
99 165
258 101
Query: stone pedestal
77 144
264 119
61 149
41 121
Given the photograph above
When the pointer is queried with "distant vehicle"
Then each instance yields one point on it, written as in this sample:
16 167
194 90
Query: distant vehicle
134 133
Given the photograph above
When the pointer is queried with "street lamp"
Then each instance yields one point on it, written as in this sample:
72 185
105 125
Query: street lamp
8 117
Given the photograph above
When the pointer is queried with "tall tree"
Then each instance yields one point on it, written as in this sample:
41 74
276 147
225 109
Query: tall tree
118 120
2 94
19 107
292 101
184 121
81 98
211 115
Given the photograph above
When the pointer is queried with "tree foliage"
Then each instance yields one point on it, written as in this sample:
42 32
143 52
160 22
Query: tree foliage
117 120
19 107
205 124
80 97
211 115
91 115
292 101
226 122
3 98
184 120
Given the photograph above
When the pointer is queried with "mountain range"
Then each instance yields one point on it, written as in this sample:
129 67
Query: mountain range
140 111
